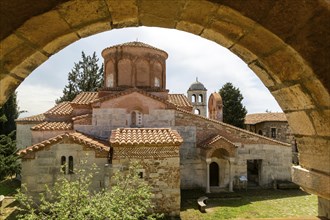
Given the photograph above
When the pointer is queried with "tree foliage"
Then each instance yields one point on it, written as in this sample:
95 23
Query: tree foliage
8 113
85 76
129 198
9 164
233 110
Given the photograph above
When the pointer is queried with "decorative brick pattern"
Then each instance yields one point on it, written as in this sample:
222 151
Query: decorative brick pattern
145 152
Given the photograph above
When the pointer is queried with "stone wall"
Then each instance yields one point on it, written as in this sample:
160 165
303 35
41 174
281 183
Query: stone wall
106 120
275 165
251 147
24 135
45 168
162 174
283 131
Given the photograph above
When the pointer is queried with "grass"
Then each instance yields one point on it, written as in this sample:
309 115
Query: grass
259 203
9 186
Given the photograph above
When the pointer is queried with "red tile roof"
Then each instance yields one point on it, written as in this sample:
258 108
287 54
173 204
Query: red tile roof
135 44
53 126
34 118
85 98
64 108
145 137
75 137
180 100
263 117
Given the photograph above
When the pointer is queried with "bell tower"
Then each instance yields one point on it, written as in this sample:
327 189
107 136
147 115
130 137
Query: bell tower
197 94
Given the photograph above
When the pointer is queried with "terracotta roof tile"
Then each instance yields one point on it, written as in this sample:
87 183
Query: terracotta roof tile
179 100
262 117
85 98
64 108
53 126
76 137
135 44
34 118
210 141
145 136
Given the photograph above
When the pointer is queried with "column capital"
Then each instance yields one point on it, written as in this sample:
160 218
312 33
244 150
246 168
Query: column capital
208 160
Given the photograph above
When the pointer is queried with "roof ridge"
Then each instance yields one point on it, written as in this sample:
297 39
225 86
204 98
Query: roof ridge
233 127
73 135
131 90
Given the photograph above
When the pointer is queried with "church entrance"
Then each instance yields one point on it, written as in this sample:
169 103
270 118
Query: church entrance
214 174
253 172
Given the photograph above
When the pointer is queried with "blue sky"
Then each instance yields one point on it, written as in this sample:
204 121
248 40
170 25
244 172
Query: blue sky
190 56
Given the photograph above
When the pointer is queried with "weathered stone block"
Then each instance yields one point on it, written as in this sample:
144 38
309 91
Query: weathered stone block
293 98
300 123
80 12
123 13
40 32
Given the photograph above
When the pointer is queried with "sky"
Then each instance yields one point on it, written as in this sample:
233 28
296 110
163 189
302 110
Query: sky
190 56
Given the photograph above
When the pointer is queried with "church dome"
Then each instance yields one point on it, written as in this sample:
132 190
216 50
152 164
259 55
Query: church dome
197 86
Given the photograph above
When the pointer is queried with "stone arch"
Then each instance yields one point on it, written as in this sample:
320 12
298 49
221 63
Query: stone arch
222 150
289 55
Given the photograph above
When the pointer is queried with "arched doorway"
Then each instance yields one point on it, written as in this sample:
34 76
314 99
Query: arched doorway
214 174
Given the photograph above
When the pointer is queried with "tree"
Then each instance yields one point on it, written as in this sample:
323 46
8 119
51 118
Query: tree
85 76
233 110
8 113
9 164
129 198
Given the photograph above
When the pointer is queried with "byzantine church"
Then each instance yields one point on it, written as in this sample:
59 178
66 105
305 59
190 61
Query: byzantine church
135 118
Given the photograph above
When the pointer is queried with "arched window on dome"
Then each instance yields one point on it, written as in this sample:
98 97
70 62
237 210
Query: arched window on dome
197 112
157 82
110 80
200 98
193 98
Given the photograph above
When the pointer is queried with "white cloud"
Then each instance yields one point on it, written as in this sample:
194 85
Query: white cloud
190 56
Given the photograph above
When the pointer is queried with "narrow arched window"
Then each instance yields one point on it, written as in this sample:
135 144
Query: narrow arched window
63 164
110 80
70 165
260 132
136 119
193 98
133 119
157 82
200 98
197 112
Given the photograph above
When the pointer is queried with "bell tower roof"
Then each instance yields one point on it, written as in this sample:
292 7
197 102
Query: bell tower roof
197 86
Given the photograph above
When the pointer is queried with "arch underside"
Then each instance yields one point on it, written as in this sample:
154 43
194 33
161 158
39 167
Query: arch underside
289 55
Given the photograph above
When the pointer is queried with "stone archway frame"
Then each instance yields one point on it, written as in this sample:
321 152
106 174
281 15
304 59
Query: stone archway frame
302 92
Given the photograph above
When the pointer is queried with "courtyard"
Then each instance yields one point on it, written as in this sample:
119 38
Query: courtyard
250 204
